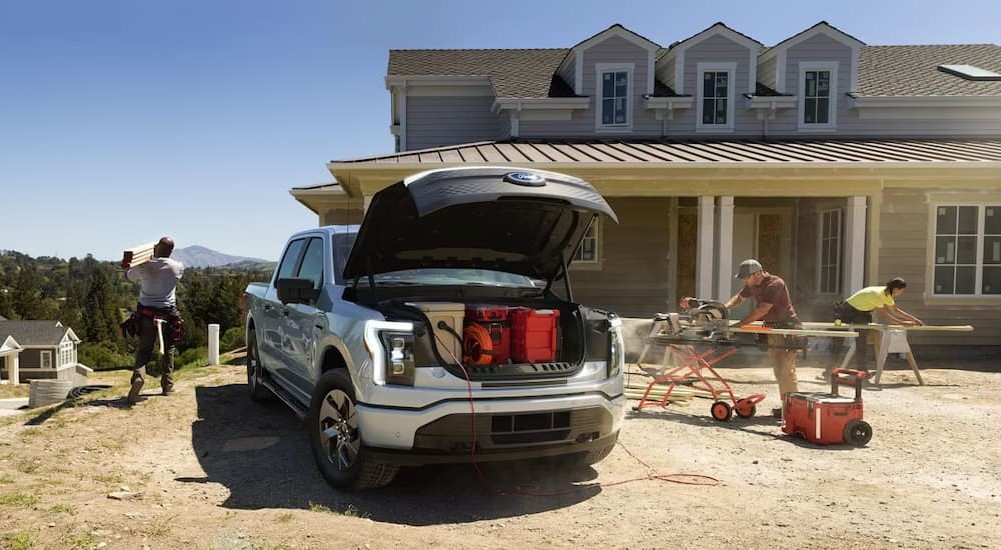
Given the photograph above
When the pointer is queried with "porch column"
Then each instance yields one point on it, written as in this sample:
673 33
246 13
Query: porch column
704 249
724 250
672 255
853 276
15 378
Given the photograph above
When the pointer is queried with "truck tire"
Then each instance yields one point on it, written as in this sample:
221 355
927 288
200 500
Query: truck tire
258 392
335 438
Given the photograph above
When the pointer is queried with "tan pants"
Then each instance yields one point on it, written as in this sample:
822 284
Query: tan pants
784 365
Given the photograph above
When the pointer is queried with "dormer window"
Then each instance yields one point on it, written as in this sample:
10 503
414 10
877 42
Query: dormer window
715 101
615 84
818 96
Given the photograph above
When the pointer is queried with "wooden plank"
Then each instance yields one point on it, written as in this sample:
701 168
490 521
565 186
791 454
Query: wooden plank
751 329
882 327
136 255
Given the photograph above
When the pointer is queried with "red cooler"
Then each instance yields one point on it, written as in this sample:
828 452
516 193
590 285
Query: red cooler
533 335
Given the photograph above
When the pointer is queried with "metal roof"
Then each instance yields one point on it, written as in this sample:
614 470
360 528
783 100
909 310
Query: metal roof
610 151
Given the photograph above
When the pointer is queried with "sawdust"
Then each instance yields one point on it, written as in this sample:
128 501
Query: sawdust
207 468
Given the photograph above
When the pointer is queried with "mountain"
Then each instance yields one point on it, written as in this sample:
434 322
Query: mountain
199 256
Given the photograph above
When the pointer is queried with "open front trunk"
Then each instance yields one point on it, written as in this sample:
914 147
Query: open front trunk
505 343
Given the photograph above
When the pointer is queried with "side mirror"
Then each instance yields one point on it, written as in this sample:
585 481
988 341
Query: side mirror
297 291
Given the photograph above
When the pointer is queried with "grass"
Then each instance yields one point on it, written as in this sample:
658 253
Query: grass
27 466
18 500
6 479
285 517
160 527
83 542
313 507
19 541
64 509
9 391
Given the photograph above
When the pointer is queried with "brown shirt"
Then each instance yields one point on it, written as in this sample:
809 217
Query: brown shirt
772 290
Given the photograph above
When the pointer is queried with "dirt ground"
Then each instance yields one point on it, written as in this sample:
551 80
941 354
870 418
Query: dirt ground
207 468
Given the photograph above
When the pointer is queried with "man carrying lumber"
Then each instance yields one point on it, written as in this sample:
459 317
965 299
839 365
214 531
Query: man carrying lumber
858 308
157 307
774 308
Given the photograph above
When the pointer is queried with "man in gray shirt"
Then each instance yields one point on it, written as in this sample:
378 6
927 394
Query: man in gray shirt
157 301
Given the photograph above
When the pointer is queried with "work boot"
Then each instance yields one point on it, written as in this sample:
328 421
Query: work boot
167 389
137 386
167 384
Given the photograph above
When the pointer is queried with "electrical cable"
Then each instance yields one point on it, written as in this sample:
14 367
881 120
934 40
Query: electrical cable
679 478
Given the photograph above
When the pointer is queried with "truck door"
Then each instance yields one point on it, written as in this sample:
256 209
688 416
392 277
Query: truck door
271 327
305 322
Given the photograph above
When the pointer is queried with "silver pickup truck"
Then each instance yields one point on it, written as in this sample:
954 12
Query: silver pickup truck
433 331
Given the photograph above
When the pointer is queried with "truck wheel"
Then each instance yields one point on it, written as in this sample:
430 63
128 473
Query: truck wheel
857 433
335 438
258 392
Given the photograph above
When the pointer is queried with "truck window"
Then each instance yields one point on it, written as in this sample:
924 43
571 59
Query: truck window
289 261
312 262
342 243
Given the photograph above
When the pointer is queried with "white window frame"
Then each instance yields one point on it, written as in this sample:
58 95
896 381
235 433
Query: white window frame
593 264
66 354
832 119
45 356
978 264
600 70
731 70
838 240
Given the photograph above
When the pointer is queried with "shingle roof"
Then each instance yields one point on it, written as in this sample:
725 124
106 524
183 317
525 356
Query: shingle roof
33 333
513 73
883 70
653 152
912 70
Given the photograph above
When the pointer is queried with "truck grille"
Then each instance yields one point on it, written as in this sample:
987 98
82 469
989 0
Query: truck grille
453 433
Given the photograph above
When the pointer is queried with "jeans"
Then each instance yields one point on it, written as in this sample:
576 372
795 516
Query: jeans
147 341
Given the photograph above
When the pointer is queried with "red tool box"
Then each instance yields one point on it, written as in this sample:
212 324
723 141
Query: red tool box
533 335
495 320
828 418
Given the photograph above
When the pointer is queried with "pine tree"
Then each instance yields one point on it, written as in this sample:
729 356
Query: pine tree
27 300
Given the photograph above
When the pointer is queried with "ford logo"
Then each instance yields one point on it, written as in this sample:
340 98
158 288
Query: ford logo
525 178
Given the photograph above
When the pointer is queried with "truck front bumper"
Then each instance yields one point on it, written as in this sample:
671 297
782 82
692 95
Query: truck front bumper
505 429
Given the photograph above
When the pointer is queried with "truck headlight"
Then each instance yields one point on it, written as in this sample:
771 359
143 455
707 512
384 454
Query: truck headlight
616 347
391 346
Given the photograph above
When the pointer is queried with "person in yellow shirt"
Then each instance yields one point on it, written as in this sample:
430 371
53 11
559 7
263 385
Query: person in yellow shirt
858 308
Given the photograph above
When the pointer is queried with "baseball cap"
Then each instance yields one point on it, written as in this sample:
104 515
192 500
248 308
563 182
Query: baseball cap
747 267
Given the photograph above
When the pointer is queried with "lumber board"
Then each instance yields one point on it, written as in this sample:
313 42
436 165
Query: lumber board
136 255
760 329
882 327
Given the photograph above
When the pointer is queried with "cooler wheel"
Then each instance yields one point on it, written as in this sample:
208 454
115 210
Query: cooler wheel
745 409
857 433
721 411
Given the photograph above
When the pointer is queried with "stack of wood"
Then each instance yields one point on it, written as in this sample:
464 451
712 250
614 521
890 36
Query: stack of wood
681 393
136 255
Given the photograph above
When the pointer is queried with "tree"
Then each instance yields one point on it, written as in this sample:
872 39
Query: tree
100 312
27 300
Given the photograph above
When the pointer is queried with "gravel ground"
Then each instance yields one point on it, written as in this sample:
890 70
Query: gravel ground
206 468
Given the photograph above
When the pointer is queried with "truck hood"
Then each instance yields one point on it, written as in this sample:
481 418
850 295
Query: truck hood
520 221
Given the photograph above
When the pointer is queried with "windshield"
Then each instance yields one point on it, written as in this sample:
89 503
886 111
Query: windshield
458 276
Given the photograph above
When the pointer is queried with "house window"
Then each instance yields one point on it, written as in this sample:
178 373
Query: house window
715 96
818 92
968 250
587 252
46 358
66 354
829 250
614 90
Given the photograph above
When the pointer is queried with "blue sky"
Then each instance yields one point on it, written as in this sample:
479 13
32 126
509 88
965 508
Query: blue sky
121 121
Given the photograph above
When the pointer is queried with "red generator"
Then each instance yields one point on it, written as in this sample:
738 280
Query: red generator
828 418
533 335
483 321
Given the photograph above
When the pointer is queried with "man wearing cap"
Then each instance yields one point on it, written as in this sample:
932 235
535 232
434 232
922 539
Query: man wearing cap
774 308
